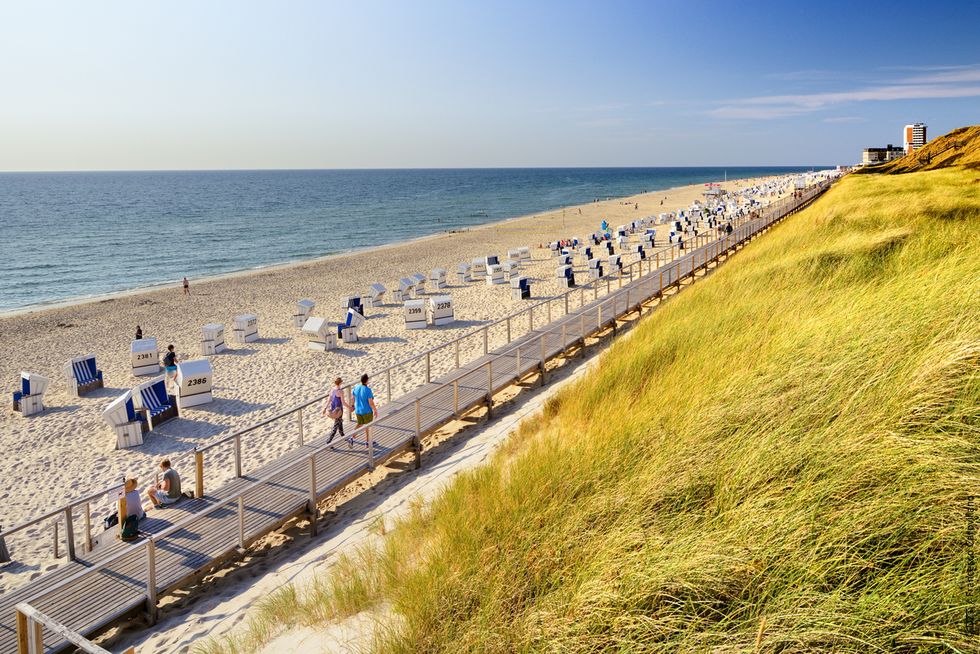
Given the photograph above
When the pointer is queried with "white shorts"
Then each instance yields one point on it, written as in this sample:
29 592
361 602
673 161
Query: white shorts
166 499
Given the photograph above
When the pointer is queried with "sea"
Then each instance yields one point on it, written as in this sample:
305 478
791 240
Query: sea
74 235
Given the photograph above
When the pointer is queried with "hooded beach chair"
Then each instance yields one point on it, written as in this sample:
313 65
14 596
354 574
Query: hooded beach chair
30 398
303 310
347 330
375 297
320 334
83 375
157 405
520 288
441 310
126 423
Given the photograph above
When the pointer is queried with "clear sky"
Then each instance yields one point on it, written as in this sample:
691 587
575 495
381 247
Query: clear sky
361 84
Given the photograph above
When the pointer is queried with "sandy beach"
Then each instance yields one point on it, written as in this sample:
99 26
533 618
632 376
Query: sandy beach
68 450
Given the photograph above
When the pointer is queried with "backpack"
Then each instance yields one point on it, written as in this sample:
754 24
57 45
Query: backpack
130 528
336 406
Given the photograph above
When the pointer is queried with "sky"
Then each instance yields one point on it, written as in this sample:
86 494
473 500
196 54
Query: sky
212 84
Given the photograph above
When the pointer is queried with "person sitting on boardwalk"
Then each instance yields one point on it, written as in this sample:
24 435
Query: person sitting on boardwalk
364 407
167 492
334 408
134 505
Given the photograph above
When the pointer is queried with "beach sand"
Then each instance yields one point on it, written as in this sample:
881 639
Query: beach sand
68 451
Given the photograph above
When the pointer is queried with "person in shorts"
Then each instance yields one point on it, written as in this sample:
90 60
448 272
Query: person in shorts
364 407
170 363
168 491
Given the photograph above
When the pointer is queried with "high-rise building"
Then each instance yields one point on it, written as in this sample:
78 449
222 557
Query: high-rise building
915 136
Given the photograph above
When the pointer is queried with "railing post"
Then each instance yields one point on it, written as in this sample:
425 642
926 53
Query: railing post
548 307
57 541
311 502
88 526
428 367
485 339
530 319
388 374
299 424
456 397
241 521
508 329
198 473
457 353
69 534
566 302
417 441
238 455
151 580
518 367
489 389
542 346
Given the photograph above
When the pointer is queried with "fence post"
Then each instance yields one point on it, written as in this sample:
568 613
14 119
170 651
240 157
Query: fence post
299 424
457 353
88 528
238 455
541 341
489 389
517 371
485 339
508 329
151 580
566 302
456 397
241 521
311 503
530 318
69 534
388 375
57 541
548 305
198 472
428 367
417 441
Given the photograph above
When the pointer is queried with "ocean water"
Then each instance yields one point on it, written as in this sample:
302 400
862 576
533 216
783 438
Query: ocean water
74 235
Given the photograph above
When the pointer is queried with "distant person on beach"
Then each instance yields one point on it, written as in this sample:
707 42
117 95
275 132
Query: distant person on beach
167 492
333 408
364 408
139 333
187 287
170 363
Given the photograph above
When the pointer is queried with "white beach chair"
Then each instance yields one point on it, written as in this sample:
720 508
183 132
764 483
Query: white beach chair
152 398
212 339
437 277
83 375
347 330
512 269
144 357
415 314
303 309
320 333
441 310
29 400
514 254
463 272
419 280
520 288
478 269
615 264
595 269
495 275
245 328
406 288
566 276
375 297
194 381
524 253
126 423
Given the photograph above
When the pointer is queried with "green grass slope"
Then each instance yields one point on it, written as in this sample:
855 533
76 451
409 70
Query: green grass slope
779 459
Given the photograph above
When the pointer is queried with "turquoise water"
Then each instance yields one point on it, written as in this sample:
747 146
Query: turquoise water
73 235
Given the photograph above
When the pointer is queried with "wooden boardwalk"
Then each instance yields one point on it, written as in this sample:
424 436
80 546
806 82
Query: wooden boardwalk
185 541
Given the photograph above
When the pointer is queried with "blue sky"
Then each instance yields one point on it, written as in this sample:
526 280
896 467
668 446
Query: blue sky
192 85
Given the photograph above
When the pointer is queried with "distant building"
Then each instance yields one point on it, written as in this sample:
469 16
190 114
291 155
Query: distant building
915 136
881 155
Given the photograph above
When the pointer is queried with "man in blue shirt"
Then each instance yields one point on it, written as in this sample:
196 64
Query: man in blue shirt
364 407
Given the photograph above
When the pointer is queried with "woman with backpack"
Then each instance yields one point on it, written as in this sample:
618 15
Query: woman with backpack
333 408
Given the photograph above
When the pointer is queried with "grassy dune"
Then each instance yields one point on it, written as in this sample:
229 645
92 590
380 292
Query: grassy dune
779 459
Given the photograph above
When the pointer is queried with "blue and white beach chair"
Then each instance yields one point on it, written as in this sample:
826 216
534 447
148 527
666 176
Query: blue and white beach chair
127 424
30 398
152 398
83 375
347 330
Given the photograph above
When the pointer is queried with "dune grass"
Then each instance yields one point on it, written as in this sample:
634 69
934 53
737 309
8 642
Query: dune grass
779 459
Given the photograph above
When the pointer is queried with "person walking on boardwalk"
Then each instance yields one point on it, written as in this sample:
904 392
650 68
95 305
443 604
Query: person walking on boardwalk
364 407
187 287
334 408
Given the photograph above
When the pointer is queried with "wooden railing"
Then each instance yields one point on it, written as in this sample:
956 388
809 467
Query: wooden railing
30 635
